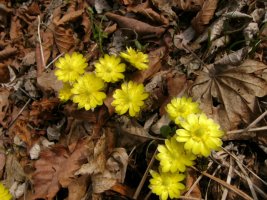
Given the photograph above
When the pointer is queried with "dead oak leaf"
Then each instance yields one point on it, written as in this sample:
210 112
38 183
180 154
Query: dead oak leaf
228 93
45 178
141 28
56 168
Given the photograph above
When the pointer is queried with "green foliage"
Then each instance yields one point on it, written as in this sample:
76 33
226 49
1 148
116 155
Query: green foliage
98 33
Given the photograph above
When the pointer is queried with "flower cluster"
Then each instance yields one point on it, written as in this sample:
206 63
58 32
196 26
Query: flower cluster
4 193
87 89
197 135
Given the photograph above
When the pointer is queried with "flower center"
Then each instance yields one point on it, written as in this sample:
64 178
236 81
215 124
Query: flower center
166 181
198 133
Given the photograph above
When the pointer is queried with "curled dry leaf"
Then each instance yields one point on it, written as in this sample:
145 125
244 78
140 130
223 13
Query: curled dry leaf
145 10
228 94
70 16
7 52
132 25
234 58
204 16
15 28
64 38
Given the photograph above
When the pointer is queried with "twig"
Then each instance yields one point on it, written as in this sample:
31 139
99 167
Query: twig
238 161
138 190
40 41
19 113
228 180
249 130
54 60
231 187
197 181
256 121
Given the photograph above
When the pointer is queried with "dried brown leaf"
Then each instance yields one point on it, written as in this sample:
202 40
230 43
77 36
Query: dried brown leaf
7 52
132 25
47 81
204 16
2 158
155 58
145 10
74 161
64 38
70 16
4 73
15 28
45 178
228 94
78 188
4 104
14 171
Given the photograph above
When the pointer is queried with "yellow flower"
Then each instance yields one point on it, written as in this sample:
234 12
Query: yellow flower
110 69
179 108
130 97
166 184
71 67
136 58
200 134
87 91
173 157
4 193
65 92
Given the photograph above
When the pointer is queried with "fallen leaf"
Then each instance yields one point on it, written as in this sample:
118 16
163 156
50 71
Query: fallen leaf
78 188
132 25
2 158
64 39
148 12
228 94
14 171
7 52
4 104
4 73
48 81
204 16
75 161
4 12
70 16
96 159
155 58
15 28
45 178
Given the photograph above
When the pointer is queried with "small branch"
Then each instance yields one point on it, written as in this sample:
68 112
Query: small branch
54 60
138 190
249 130
14 120
40 41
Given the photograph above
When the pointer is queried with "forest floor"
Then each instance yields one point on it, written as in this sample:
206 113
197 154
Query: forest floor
214 51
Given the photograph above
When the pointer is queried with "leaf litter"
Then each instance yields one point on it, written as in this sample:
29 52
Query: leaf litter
214 51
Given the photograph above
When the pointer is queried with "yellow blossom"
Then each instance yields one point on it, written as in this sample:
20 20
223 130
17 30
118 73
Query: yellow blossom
200 134
130 97
179 108
136 58
70 67
173 157
88 91
4 193
65 92
110 69
166 184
